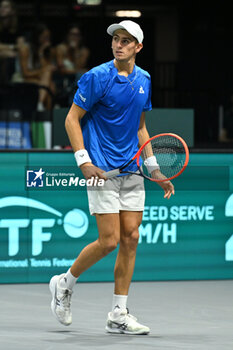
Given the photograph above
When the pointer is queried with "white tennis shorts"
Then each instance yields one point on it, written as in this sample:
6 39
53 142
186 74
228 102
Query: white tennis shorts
118 193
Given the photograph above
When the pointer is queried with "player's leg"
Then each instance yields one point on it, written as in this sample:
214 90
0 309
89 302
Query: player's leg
132 205
109 233
61 285
129 235
132 200
119 320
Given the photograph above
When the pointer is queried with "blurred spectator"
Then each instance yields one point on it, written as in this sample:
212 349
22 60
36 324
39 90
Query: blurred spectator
10 39
36 64
72 59
226 133
72 55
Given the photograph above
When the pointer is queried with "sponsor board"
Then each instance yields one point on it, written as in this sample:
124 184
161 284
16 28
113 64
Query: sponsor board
41 232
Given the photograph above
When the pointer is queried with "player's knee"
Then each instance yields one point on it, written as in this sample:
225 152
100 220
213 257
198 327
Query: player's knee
108 245
134 237
130 240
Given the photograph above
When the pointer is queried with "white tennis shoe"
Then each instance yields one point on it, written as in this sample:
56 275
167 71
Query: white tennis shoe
120 321
61 301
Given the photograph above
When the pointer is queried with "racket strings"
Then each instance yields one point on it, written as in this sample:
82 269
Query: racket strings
169 152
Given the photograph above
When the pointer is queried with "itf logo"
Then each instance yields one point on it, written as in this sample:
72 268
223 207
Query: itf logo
75 224
35 178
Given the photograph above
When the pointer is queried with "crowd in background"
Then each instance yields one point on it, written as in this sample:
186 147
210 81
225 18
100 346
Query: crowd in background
31 57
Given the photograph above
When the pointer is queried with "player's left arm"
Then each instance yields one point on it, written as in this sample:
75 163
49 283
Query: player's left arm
143 136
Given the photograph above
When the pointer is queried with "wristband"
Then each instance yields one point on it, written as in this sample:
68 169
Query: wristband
82 157
151 164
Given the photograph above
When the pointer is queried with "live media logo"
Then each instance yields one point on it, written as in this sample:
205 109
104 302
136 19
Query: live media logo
35 178
53 178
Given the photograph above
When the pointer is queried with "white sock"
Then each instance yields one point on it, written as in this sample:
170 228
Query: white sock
68 281
119 301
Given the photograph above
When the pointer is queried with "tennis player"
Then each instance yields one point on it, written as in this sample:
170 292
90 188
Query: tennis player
106 124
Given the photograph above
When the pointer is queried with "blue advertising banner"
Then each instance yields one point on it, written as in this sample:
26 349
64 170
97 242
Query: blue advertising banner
15 135
45 221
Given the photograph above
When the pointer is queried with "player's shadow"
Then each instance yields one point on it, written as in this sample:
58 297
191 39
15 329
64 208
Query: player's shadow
94 339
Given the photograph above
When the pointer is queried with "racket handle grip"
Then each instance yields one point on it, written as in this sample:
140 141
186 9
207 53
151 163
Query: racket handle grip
111 173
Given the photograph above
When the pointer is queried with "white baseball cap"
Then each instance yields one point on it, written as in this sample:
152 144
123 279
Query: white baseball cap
131 27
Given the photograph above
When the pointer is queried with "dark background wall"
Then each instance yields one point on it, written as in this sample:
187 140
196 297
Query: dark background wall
187 49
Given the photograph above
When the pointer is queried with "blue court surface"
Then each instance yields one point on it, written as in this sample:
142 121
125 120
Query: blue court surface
181 315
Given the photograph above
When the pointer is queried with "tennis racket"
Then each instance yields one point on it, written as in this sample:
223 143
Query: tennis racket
165 156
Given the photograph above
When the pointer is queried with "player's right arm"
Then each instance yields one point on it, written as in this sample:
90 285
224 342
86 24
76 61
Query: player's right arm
74 131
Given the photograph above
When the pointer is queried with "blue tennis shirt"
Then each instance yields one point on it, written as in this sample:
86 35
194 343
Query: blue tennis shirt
114 105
